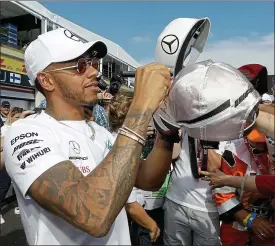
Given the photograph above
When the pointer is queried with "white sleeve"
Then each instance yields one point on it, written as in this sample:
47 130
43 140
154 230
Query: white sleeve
30 150
140 197
133 196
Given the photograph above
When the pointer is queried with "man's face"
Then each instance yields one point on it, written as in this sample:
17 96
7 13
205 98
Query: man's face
77 88
5 110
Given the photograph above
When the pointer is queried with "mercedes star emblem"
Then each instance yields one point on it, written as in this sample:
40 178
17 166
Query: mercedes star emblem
170 44
75 147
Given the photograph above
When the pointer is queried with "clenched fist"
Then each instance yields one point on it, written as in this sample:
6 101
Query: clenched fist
152 84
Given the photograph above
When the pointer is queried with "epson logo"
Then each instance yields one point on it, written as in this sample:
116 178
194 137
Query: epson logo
78 158
24 135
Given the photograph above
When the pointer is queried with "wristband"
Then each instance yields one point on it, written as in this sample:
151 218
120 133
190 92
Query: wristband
250 221
245 221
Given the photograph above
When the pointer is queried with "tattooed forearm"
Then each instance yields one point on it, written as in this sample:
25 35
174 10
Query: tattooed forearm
93 202
138 121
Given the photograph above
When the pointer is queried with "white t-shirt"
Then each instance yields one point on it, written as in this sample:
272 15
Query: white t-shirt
4 130
184 189
39 142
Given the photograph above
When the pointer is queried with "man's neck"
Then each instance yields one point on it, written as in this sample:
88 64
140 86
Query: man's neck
64 111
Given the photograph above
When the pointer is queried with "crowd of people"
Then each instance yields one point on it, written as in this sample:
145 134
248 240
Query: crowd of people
91 168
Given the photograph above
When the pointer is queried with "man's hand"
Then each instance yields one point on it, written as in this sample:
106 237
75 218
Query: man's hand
263 229
154 232
152 85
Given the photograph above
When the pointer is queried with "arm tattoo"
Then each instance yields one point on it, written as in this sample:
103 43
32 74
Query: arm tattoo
92 203
138 121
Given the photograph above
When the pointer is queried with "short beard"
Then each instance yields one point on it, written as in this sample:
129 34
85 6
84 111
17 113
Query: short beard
71 95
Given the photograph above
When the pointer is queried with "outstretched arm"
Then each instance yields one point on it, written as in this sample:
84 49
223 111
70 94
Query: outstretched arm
263 184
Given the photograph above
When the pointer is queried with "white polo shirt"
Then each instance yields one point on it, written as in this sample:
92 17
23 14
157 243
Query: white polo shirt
39 142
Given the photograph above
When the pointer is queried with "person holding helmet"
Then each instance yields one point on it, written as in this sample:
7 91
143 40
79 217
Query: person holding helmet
71 188
245 215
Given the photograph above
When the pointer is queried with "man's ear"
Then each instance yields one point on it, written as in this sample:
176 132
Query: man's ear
46 81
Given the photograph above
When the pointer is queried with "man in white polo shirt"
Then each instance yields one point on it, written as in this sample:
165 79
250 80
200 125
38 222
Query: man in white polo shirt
71 188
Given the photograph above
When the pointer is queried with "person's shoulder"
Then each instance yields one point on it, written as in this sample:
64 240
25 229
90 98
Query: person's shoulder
29 122
27 128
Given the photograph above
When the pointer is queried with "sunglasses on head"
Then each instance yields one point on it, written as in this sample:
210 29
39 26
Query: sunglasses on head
81 65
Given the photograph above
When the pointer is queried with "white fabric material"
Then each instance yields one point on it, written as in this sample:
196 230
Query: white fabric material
152 202
184 189
239 149
39 142
4 130
268 98
133 197
57 46
203 87
155 199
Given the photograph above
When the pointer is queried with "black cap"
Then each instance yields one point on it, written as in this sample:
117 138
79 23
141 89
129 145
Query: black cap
5 104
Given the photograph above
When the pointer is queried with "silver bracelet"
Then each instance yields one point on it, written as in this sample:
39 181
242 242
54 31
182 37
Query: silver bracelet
130 135
129 130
